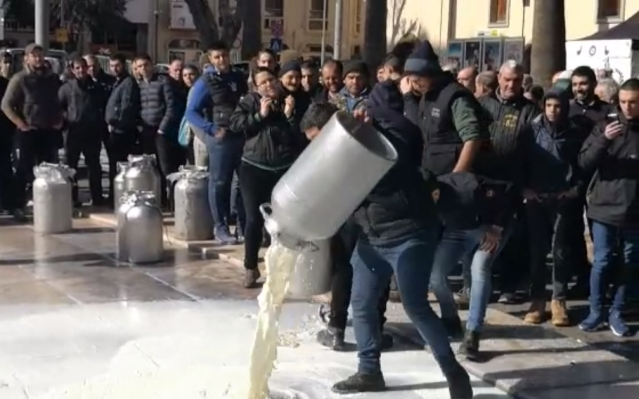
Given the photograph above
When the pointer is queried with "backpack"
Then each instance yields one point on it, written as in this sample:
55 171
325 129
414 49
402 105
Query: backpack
185 134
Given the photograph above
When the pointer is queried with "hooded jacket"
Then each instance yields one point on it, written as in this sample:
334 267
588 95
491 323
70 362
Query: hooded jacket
555 167
401 203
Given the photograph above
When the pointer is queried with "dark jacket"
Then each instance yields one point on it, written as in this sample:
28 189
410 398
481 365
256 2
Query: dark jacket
159 106
401 204
507 156
106 83
555 167
6 125
589 115
83 103
273 141
123 107
33 97
612 194
213 99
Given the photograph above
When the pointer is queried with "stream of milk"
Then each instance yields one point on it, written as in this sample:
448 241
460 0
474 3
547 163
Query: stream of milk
280 264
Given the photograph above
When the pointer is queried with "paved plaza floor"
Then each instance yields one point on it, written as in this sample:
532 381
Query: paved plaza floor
75 325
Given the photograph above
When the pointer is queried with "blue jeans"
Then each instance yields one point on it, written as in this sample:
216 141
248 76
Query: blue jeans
224 161
237 206
411 260
452 248
606 239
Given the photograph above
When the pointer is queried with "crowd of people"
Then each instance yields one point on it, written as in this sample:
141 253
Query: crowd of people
493 172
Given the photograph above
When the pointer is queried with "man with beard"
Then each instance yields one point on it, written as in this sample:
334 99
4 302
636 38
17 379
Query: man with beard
310 78
31 103
587 110
331 81
213 100
122 116
83 102
356 87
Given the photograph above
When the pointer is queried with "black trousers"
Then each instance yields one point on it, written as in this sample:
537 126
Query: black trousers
120 145
256 185
551 228
342 246
35 147
512 263
80 142
7 179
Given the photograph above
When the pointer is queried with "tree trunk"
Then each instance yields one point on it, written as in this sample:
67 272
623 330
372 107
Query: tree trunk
548 53
205 22
252 33
230 21
375 32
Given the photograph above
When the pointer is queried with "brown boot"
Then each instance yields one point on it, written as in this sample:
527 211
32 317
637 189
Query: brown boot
559 314
536 313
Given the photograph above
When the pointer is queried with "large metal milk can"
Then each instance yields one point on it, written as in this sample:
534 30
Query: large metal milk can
143 175
328 181
313 271
140 231
193 219
52 203
119 186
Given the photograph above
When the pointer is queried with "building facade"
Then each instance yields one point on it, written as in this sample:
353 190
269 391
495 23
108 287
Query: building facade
445 20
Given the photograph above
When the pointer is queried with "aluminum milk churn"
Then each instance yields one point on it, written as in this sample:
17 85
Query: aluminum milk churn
140 231
143 175
313 271
119 185
328 181
193 219
52 203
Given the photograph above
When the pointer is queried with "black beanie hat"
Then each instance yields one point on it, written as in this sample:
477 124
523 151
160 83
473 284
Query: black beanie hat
358 66
289 66
423 61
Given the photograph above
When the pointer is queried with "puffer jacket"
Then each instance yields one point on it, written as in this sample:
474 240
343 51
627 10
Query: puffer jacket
83 102
123 107
160 108
273 141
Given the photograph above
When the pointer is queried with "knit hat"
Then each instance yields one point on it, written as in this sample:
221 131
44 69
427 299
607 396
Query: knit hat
357 66
289 66
289 55
423 61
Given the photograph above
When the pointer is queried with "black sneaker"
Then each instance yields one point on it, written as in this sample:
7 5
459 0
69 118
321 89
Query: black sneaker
332 338
251 277
459 386
453 327
470 346
387 342
360 382
19 216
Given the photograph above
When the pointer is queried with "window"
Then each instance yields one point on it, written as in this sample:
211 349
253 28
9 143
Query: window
358 16
316 15
273 8
609 9
498 12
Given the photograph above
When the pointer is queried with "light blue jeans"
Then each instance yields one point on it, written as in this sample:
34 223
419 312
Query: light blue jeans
453 246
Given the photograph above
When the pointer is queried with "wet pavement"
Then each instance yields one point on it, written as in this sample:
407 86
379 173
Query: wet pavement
76 325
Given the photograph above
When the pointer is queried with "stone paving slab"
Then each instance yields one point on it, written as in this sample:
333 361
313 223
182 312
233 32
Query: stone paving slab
626 390
523 359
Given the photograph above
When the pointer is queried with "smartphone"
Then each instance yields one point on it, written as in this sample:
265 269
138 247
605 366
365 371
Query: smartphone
612 117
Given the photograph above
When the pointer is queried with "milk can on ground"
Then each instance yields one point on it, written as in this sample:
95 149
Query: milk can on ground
52 199
119 185
140 229
142 175
193 219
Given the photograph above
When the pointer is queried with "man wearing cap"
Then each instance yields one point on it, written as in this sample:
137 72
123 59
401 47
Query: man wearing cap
449 119
399 235
31 103
356 78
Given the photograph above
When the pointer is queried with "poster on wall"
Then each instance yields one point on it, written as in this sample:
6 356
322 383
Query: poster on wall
455 54
181 17
472 53
514 50
491 55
